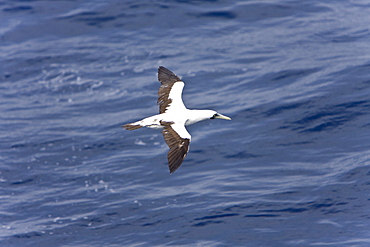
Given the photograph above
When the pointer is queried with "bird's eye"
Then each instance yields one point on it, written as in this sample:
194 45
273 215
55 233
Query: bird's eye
214 116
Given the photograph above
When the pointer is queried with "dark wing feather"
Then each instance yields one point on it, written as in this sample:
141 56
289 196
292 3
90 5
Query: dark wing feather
167 79
179 147
166 76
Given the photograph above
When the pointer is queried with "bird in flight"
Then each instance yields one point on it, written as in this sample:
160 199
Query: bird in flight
173 117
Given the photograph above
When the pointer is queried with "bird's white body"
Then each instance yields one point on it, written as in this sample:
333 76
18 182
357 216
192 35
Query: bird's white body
186 117
181 117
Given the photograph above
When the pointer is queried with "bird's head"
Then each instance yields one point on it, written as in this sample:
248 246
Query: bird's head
200 115
219 115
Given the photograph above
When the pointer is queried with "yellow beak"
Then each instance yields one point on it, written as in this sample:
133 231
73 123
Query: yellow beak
220 116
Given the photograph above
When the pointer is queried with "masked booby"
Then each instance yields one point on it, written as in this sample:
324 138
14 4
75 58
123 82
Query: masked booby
173 117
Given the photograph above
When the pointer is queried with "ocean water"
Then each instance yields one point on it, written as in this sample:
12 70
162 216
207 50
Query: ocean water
292 168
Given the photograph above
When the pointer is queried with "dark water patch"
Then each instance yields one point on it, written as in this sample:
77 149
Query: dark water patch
324 204
28 235
316 116
111 213
208 222
282 108
219 14
293 143
152 223
361 103
332 123
332 116
22 182
282 75
191 2
287 193
215 216
94 21
287 210
261 215
17 8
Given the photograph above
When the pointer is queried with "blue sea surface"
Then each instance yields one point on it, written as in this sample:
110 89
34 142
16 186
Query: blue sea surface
292 168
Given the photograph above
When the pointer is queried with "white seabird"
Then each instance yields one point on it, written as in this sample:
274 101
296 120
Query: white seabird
173 117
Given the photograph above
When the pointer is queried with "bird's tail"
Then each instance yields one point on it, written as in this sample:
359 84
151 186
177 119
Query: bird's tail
131 126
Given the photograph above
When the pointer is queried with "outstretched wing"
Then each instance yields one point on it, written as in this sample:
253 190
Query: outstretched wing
170 91
178 140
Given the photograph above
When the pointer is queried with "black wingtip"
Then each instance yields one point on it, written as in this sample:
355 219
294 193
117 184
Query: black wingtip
164 70
173 168
167 76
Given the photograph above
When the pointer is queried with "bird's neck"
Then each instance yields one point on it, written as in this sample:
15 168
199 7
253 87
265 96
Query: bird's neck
197 116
